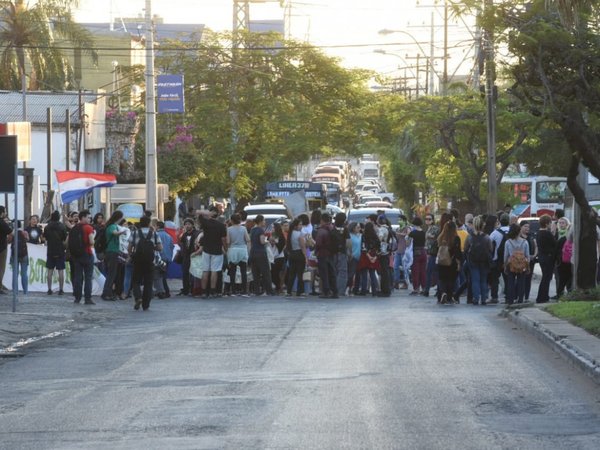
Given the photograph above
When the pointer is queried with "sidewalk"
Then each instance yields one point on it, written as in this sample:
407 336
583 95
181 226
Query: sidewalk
575 345
40 316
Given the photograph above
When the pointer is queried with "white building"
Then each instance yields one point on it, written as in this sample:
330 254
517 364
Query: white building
87 113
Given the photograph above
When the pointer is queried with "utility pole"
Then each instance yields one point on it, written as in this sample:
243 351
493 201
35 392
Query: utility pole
490 77
151 170
445 74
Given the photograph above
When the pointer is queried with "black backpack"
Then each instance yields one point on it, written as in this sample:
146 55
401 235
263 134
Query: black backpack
144 248
75 243
500 259
100 243
337 243
479 252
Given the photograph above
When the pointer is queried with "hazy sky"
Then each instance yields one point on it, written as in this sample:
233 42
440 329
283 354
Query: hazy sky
344 28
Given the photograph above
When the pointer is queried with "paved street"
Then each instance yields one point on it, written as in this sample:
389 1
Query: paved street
401 372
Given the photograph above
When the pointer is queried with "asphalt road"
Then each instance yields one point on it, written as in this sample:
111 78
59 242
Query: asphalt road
400 372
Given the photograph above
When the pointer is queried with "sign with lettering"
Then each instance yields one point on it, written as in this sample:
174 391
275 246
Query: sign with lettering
169 94
37 273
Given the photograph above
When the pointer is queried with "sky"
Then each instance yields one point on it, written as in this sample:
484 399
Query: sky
347 29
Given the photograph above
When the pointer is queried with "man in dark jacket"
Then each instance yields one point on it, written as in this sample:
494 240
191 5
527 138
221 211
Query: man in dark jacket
325 259
5 230
55 234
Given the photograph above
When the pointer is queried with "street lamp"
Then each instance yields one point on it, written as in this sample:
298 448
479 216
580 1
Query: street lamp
386 31
407 65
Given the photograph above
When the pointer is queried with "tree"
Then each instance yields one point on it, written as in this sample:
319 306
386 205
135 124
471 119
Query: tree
33 37
290 101
557 74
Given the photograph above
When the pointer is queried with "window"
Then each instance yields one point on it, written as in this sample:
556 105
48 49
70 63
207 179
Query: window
551 191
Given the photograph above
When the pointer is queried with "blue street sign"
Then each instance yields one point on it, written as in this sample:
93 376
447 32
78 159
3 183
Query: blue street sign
170 94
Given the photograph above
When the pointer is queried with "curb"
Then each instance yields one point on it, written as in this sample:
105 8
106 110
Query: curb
563 338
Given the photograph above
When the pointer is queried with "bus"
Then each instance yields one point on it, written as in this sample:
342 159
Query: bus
314 193
535 195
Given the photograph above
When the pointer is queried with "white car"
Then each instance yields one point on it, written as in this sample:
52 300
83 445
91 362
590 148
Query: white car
270 211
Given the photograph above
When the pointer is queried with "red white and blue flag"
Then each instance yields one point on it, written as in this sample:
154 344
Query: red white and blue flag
74 185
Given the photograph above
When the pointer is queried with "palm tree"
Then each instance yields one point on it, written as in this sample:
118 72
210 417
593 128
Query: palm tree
569 9
34 38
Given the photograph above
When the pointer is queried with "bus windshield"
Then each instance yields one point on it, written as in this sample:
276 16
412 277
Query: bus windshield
550 191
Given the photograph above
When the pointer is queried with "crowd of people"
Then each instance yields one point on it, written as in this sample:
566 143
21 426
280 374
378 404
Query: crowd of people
318 255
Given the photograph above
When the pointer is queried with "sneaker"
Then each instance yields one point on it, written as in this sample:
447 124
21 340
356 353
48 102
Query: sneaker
77 300
49 292
494 301
244 295
414 293
288 294
61 292
89 301
138 303
444 299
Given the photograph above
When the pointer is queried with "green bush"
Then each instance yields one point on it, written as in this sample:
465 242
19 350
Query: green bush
582 295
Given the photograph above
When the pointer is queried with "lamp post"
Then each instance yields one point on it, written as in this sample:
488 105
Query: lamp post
430 58
490 76
407 65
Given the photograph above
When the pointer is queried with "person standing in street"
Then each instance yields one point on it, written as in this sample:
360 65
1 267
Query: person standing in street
5 230
55 234
22 258
81 246
111 254
166 255
546 245
34 231
325 259
215 242
259 262
142 245
187 242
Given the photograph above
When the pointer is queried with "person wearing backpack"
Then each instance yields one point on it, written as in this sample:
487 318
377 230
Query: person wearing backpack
143 243
448 262
55 235
533 256
81 246
325 258
498 237
516 264
564 252
110 248
478 249
384 233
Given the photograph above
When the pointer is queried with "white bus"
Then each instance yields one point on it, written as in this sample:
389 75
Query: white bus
535 195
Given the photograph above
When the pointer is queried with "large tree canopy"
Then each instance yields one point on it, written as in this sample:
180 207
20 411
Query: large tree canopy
288 101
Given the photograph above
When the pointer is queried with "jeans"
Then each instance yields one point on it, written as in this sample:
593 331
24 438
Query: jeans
84 271
547 266
232 271
385 280
24 268
418 270
399 276
341 272
494 279
111 264
528 279
185 269
327 275
431 275
465 281
296 272
353 278
479 282
371 273
127 278
261 274
143 275
515 287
